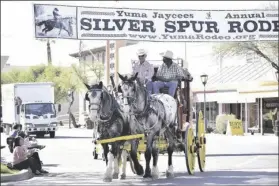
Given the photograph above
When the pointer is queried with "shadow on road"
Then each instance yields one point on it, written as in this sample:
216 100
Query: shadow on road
206 178
50 165
237 155
221 177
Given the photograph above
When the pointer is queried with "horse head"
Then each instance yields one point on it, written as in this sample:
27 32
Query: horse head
96 96
132 91
70 21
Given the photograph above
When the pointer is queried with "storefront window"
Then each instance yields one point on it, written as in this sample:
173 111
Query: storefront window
211 112
270 106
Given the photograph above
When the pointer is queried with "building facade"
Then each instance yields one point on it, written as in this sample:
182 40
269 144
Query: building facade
113 58
109 56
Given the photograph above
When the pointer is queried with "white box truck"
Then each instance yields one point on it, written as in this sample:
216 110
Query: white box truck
32 106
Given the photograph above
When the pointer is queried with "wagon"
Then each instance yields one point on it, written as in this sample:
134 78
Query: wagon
192 143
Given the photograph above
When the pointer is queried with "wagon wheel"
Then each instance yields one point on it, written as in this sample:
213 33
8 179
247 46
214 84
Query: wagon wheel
201 142
190 147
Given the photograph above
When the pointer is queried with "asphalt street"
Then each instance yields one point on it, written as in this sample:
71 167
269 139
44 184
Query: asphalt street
231 160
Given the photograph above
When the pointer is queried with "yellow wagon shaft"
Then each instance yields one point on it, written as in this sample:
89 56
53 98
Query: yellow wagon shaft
161 145
121 138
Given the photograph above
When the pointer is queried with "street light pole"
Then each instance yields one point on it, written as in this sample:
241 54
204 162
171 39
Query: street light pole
48 53
204 79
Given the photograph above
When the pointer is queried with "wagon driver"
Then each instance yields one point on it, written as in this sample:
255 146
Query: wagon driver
169 73
144 69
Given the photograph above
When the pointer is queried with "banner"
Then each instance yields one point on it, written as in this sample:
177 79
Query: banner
85 23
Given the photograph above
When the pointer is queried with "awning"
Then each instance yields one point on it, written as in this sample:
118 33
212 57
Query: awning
233 97
210 97
259 94
224 97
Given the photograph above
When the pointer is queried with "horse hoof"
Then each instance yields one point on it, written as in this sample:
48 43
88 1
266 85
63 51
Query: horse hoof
107 179
115 176
155 173
123 177
169 175
147 176
139 170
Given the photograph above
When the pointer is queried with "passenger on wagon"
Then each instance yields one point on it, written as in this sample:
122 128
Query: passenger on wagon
168 74
144 69
21 159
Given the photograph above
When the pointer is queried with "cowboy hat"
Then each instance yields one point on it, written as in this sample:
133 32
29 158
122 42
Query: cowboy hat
141 52
167 54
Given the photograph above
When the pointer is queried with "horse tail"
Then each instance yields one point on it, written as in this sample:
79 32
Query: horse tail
41 23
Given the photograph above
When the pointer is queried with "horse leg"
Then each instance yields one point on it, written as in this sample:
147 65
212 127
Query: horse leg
106 150
170 149
124 156
134 157
116 153
60 31
47 30
147 156
67 31
108 172
155 170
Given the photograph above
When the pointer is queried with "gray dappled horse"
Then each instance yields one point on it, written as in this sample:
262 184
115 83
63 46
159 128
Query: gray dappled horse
152 115
61 23
105 110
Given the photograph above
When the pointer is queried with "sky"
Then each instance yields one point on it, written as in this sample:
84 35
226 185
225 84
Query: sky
17 30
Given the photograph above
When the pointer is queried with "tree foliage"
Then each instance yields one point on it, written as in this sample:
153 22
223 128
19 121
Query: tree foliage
63 77
98 69
267 50
86 72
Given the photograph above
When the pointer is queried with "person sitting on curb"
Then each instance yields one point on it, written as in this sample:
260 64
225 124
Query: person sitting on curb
21 160
30 147
30 142
16 130
11 138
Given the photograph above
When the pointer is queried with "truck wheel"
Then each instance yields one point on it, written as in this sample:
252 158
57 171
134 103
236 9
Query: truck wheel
52 134
95 155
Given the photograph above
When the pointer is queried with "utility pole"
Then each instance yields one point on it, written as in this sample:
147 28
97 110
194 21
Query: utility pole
49 53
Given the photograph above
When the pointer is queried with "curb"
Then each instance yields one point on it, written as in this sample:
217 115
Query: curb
22 175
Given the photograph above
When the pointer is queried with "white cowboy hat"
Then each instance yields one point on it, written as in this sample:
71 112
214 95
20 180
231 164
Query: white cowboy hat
141 52
167 54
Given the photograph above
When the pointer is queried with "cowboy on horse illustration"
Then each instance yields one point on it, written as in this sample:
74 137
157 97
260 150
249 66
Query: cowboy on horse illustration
56 14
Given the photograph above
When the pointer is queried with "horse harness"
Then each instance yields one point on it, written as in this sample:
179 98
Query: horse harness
147 108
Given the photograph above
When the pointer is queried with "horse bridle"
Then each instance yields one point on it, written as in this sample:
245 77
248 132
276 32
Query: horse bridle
99 106
134 101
